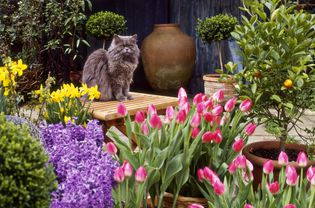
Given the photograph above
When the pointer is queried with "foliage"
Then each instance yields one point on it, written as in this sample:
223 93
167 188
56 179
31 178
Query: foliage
189 138
26 180
105 24
277 45
84 171
67 103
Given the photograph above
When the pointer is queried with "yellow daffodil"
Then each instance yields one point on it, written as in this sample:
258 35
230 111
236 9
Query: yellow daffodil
94 93
66 119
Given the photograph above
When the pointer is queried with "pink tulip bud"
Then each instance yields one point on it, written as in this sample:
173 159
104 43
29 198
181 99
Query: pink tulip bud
217 136
145 129
111 148
209 117
249 165
141 174
200 175
268 167
121 109
195 120
119 175
218 95
240 162
291 175
207 137
283 158
289 206
218 187
210 175
198 98
224 119
181 116
208 104
273 187
238 145
250 128
232 167
182 97
155 122
302 159
169 114
127 169
151 110
195 132
217 110
205 98
246 105
186 108
248 206
200 108
310 175
246 178
230 104
195 206
139 117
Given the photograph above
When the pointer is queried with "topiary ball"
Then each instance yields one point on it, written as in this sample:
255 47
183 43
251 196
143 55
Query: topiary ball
26 180
105 24
216 28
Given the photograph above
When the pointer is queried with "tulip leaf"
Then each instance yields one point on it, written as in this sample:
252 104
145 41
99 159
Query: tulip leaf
173 166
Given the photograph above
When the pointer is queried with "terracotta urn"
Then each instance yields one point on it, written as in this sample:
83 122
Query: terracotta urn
168 57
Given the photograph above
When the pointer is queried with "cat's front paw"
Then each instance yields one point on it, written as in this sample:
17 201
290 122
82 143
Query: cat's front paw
129 97
121 98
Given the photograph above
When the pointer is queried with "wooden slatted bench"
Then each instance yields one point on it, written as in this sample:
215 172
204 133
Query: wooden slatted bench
106 111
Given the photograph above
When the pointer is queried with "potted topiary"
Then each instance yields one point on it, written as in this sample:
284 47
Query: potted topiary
104 25
26 178
216 29
277 46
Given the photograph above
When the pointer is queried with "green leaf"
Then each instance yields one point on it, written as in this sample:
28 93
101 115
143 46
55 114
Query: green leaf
254 88
276 98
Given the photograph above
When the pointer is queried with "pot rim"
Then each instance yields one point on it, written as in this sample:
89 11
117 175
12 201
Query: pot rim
259 161
166 25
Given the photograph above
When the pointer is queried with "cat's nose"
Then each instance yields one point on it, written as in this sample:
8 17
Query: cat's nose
127 50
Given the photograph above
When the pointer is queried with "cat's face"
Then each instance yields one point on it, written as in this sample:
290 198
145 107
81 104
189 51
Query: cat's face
126 45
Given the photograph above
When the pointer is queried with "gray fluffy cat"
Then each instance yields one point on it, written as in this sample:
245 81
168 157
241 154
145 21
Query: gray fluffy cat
112 70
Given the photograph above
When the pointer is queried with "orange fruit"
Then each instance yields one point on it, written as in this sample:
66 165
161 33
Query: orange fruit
288 83
257 74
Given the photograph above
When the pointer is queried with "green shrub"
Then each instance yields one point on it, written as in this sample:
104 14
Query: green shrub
105 24
25 178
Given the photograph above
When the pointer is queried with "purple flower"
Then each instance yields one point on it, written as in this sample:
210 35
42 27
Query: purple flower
84 171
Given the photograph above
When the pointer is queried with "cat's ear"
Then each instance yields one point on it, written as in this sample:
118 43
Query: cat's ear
135 36
116 39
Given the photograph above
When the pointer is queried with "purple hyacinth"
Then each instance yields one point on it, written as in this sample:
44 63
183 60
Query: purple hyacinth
84 171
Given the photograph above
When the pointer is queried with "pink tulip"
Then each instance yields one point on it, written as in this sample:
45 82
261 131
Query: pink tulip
224 119
121 109
195 132
283 158
273 187
186 108
208 104
248 206
200 175
145 129
182 97
289 206
195 120
195 206
250 128
217 136
210 176
141 174
230 104
217 110
205 98
207 137
310 175
127 169
246 178
200 107
151 110
139 117
181 116
169 114
238 145
291 175
249 165
302 159
218 95
198 98
246 105
268 167
119 175
155 122
218 187
111 148
209 117
232 167
240 162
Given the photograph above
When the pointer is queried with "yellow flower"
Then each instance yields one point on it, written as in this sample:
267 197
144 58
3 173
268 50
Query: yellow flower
84 89
94 93
57 96
66 119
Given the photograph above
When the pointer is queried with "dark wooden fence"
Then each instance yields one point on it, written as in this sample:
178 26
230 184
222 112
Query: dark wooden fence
143 14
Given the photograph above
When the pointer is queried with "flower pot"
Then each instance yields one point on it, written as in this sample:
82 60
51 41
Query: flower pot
168 57
182 201
212 84
258 162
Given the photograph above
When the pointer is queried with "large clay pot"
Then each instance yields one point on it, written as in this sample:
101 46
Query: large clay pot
168 57
258 162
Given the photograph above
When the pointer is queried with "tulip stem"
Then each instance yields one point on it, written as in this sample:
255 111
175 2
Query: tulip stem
301 182
127 190
312 196
119 196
